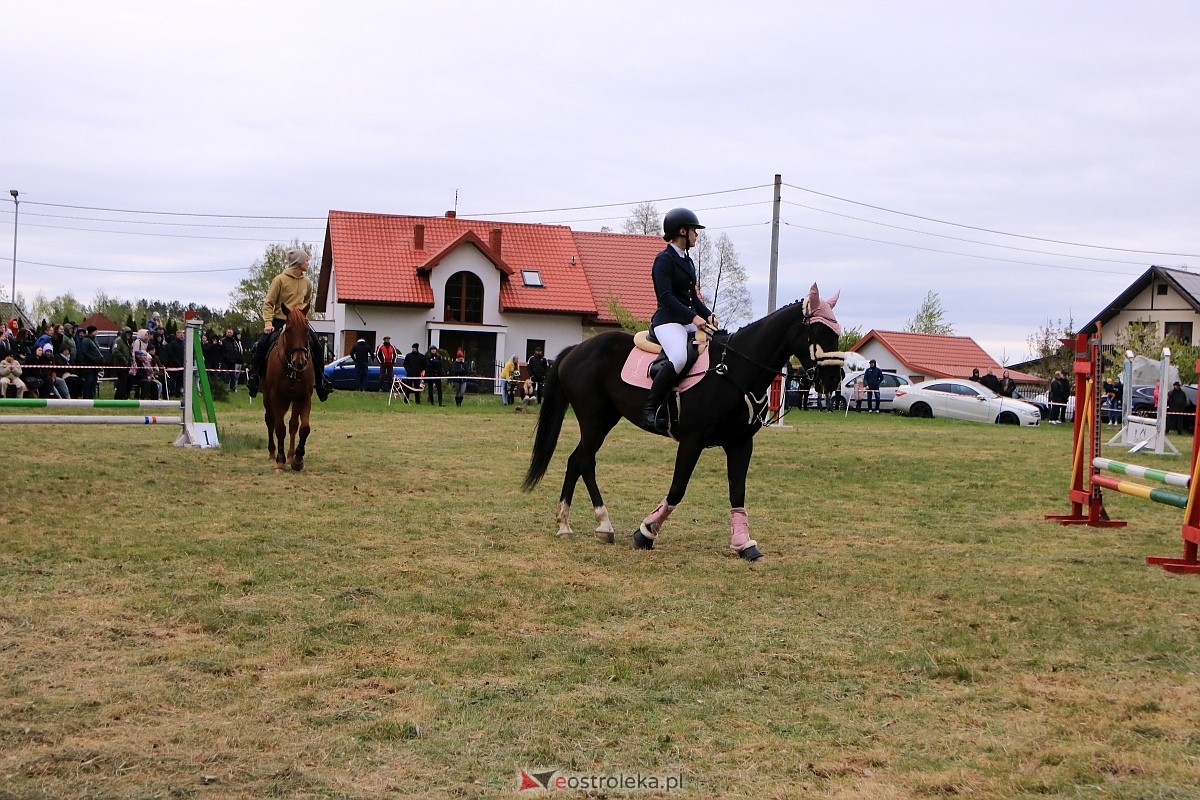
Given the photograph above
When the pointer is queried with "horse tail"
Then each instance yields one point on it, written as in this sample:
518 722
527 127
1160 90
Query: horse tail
549 425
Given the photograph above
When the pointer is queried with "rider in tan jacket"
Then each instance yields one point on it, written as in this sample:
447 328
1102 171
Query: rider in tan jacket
290 288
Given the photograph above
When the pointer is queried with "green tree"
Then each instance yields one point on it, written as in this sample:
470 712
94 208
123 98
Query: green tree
1140 336
930 318
625 318
246 300
64 308
849 338
644 219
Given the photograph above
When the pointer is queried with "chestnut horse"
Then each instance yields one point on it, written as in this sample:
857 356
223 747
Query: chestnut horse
725 409
288 383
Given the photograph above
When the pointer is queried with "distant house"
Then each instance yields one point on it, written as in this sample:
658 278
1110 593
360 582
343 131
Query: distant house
8 311
922 356
1167 298
491 289
102 323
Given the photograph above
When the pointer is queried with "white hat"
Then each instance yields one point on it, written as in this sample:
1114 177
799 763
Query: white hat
363 340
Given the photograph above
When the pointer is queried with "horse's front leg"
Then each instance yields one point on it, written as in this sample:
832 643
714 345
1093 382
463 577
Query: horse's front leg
737 464
305 428
685 463
270 422
293 429
280 439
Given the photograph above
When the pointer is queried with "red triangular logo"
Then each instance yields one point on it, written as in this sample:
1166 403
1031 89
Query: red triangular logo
528 782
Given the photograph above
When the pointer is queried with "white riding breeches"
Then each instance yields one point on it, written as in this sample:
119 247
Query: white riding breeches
674 340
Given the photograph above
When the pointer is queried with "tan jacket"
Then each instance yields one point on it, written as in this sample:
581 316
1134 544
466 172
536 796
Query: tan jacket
10 369
290 288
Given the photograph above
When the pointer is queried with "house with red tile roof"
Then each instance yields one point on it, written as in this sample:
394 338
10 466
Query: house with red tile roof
491 289
922 356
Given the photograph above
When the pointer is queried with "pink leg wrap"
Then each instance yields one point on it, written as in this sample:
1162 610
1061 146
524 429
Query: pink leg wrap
739 526
654 522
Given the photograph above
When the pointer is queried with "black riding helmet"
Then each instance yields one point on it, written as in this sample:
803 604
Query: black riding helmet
678 218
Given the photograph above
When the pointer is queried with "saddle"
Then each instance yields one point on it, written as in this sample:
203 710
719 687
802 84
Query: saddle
647 358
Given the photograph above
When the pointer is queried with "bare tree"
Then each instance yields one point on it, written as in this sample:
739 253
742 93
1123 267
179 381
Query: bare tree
722 279
644 219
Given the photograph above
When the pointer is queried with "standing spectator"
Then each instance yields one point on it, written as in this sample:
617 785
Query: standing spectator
1116 399
1060 390
510 373
458 368
414 367
386 354
67 331
360 354
859 393
232 356
122 357
10 375
7 342
537 372
1008 387
872 380
433 374
1177 403
174 353
90 361
213 353
154 324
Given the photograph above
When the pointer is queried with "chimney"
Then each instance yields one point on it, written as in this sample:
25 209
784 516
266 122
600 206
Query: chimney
419 236
495 241
451 214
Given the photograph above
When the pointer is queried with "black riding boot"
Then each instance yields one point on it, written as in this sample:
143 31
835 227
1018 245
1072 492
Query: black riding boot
323 385
664 381
255 370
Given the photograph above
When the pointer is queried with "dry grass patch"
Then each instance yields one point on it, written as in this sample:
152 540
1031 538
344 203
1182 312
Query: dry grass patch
399 619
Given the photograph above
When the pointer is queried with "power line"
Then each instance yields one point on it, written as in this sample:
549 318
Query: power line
951 253
188 271
617 205
958 238
162 235
169 213
989 230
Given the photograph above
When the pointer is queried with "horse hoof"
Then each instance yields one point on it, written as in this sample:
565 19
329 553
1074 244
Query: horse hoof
641 542
297 465
751 553
608 537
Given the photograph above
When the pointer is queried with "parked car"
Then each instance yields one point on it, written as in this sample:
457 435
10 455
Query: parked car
341 373
1142 399
887 390
958 398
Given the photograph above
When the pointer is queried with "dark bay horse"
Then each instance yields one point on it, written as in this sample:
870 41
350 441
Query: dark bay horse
725 409
288 383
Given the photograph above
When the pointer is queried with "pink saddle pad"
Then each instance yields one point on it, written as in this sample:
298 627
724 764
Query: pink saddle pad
635 371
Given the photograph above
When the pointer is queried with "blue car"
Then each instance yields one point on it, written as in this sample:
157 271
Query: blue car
344 377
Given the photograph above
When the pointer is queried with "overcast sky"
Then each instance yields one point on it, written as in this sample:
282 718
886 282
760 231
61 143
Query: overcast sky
1063 121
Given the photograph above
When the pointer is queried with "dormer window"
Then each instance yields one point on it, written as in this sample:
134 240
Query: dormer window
531 277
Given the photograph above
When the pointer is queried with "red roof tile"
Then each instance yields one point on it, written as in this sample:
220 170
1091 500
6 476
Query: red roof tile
618 267
377 260
940 356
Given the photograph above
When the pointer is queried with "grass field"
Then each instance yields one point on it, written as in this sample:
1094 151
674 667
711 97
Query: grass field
399 620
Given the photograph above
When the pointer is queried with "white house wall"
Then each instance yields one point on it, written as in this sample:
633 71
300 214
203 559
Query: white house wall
1148 306
406 324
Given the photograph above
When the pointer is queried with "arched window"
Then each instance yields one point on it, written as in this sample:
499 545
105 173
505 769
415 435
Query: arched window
464 298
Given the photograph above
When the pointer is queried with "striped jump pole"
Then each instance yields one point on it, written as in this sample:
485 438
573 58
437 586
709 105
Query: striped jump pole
1145 473
98 419
1164 496
37 402
95 419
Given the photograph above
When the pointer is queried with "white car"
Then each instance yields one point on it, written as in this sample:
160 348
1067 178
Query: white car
887 390
958 398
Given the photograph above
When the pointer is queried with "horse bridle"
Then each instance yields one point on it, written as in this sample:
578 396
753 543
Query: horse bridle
287 357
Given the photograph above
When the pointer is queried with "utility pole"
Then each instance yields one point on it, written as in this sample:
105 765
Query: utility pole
773 284
12 290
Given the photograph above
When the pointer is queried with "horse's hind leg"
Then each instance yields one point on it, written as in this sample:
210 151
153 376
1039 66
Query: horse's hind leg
737 462
582 463
270 431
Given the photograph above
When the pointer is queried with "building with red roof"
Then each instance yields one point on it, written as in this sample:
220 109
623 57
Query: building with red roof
491 289
922 356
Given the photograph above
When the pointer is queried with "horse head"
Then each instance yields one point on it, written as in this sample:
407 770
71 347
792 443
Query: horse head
293 341
815 342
